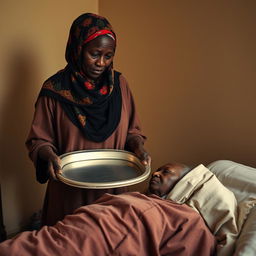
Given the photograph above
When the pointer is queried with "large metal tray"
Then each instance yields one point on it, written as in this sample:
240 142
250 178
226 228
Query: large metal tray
100 169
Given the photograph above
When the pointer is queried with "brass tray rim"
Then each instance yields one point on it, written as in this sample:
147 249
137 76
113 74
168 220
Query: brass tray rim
106 185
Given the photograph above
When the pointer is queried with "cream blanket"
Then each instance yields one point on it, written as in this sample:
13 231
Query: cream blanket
201 190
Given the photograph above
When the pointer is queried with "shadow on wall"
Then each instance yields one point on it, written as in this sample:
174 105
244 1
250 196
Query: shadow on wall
20 193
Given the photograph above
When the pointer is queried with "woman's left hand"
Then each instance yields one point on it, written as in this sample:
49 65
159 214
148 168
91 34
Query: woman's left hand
143 155
135 145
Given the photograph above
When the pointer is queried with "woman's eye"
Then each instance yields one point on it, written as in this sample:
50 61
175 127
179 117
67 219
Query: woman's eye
108 57
94 55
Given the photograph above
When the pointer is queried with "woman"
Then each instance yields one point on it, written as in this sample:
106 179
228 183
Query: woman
87 105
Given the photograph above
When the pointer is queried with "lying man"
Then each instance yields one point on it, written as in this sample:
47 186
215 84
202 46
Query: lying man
127 224
201 190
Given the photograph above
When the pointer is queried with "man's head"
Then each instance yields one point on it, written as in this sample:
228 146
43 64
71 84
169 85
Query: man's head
165 178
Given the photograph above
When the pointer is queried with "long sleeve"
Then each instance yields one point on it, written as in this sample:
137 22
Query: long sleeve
41 134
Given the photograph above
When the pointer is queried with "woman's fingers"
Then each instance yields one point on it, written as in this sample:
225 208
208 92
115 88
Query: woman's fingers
54 167
147 161
52 171
144 157
134 144
57 165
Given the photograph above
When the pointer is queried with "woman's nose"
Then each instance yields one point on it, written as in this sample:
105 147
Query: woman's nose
100 62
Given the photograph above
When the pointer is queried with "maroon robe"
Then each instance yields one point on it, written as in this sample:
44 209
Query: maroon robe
127 224
52 127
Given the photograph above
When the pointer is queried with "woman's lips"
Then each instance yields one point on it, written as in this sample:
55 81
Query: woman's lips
97 71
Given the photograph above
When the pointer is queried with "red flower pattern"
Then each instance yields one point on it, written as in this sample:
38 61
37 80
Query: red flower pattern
104 90
88 85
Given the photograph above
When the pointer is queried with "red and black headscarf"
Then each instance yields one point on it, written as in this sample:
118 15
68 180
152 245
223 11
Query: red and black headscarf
93 107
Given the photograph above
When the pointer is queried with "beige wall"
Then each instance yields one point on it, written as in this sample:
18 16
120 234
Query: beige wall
32 47
191 67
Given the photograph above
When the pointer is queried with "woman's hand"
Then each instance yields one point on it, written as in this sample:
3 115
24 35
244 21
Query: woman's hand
47 154
143 155
135 144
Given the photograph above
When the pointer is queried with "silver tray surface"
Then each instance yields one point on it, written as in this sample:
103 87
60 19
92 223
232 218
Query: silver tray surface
103 168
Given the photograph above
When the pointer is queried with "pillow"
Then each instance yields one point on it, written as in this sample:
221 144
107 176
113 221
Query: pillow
246 242
239 178
201 190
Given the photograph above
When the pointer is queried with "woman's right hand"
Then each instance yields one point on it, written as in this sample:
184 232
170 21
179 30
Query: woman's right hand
47 154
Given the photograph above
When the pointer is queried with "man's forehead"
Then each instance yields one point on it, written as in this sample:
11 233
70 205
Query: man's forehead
172 166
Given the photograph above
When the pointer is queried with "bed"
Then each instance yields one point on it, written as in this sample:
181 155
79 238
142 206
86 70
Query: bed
152 236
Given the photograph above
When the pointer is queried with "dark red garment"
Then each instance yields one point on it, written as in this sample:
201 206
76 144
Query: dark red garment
127 224
51 127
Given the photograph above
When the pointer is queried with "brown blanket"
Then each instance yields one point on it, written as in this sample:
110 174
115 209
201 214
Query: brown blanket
127 224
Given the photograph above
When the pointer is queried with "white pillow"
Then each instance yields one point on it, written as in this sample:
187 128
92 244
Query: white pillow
246 242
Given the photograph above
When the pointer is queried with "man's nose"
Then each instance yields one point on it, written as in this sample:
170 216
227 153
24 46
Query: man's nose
156 174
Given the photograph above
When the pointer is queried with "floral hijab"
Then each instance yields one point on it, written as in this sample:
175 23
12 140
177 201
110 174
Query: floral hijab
94 108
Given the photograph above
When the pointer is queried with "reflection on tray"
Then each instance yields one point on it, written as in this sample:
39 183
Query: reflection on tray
102 169
101 173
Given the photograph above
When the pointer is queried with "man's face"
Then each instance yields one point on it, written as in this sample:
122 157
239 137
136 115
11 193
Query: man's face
164 178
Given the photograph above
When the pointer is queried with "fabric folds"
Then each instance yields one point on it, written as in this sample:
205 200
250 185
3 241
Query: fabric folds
201 190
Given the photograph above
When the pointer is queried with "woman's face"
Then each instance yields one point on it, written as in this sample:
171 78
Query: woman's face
98 54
